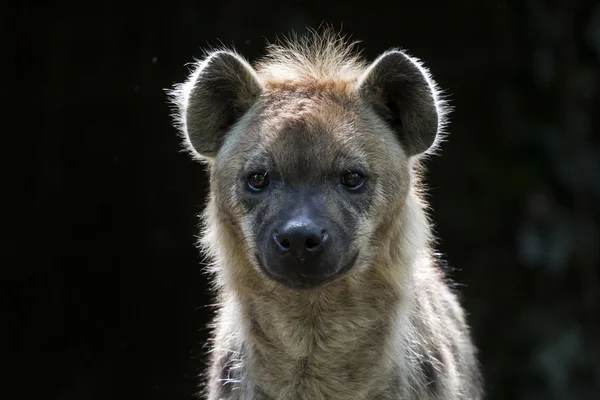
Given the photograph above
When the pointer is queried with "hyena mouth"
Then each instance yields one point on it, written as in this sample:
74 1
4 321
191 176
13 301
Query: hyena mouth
295 278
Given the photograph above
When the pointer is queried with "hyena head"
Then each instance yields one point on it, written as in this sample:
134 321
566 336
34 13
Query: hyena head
310 153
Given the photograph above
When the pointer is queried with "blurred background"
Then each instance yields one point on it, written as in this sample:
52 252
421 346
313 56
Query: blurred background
102 295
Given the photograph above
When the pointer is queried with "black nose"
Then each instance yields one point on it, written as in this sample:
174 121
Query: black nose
300 236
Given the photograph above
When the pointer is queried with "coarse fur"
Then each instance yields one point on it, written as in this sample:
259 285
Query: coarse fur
388 326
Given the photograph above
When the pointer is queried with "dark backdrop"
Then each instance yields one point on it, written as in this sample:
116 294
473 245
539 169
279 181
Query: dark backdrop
102 294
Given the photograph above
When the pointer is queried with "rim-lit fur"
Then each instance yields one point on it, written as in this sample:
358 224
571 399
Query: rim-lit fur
390 328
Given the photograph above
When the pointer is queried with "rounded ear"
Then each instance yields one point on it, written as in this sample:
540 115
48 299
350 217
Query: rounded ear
401 92
219 91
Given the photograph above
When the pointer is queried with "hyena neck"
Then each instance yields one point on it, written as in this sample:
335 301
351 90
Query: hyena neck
330 344
336 339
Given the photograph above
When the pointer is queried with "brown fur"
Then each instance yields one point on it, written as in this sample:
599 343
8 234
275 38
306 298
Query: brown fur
389 328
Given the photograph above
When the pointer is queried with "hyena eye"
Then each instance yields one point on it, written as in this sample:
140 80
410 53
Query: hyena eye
258 181
353 180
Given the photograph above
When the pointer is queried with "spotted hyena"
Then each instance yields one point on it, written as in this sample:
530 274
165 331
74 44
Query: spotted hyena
321 249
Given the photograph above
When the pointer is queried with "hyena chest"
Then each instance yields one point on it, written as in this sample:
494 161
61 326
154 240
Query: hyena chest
319 376
306 380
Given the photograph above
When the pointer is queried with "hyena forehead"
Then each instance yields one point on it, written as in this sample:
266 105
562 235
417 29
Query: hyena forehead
331 104
299 128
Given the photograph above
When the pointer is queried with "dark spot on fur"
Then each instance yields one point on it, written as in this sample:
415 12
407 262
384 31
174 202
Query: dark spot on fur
302 366
430 375
227 377
431 368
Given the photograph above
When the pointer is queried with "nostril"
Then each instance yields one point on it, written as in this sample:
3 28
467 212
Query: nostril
312 242
283 244
315 241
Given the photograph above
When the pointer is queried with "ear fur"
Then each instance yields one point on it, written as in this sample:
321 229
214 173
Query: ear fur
221 88
401 91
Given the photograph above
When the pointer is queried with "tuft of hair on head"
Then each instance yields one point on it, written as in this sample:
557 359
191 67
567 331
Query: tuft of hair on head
316 55
328 55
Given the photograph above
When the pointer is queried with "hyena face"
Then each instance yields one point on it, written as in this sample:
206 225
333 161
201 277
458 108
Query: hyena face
302 164
305 179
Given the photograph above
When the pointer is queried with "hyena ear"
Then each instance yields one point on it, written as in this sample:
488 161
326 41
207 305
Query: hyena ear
401 91
220 90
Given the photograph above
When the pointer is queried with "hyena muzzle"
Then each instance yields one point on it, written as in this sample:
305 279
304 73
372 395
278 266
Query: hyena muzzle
326 280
